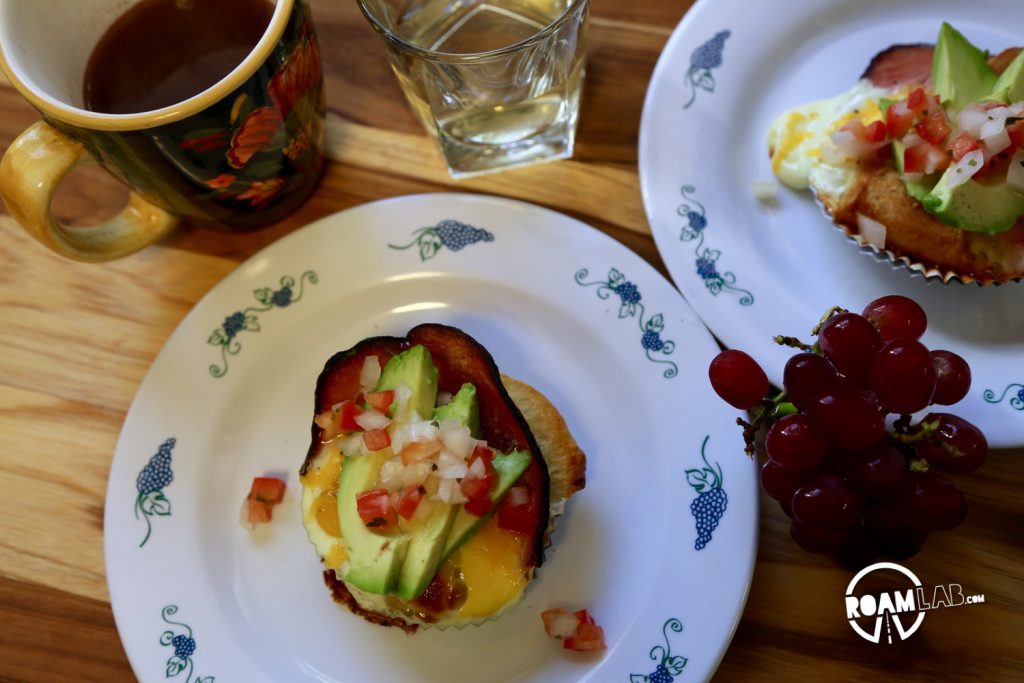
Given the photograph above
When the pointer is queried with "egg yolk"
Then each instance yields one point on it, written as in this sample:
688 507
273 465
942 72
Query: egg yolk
492 568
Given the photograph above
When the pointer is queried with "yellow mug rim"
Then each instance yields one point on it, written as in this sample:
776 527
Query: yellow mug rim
91 120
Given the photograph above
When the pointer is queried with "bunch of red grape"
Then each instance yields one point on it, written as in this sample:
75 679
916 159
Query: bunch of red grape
852 486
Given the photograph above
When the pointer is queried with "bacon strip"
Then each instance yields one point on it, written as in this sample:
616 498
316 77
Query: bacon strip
901 65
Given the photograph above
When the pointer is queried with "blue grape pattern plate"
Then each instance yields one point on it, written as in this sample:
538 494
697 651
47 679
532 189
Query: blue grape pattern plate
558 305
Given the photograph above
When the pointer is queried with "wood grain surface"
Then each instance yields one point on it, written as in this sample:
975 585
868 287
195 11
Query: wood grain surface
77 339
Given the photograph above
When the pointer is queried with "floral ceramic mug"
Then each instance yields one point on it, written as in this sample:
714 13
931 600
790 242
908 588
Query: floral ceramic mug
239 155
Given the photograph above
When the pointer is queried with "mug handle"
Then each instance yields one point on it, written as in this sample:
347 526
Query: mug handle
30 171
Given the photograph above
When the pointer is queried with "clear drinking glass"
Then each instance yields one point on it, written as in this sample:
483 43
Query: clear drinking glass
497 81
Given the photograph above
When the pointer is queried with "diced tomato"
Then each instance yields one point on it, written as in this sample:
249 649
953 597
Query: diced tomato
409 500
518 512
872 132
589 637
479 505
258 511
267 489
375 509
376 439
416 451
264 494
997 166
917 100
1016 132
487 454
580 631
934 126
961 144
381 400
898 119
478 488
347 412
584 617
924 158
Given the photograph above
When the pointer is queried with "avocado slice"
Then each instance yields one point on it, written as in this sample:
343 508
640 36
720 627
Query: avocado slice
375 559
960 72
415 369
464 408
975 206
1009 86
424 553
507 467
427 543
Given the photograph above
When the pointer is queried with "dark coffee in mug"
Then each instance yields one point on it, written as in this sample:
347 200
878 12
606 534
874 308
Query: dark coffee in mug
161 52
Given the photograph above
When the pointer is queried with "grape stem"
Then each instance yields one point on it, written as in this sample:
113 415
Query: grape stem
794 343
835 310
770 410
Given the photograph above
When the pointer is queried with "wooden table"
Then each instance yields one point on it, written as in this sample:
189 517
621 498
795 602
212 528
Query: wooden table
77 340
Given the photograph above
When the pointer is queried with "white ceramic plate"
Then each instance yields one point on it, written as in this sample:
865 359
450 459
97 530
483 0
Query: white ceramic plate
752 271
559 305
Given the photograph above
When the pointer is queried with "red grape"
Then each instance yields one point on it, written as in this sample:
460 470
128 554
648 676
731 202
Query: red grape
793 444
903 376
780 484
848 419
878 472
859 550
957 446
826 502
953 377
850 342
930 502
896 317
816 540
738 379
806 377
894 535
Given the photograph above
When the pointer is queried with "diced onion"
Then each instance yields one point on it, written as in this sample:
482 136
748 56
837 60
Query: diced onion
415 473
963 170
1015 175
391 474
562 625
449 491
453 471
912 138
412 431
848 144
766 191
993 133
352 444
372 419
456 438
477 469
369 374
972 119
451 466
443 398
402 395
871 230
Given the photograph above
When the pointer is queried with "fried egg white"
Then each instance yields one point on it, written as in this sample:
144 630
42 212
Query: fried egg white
802 153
